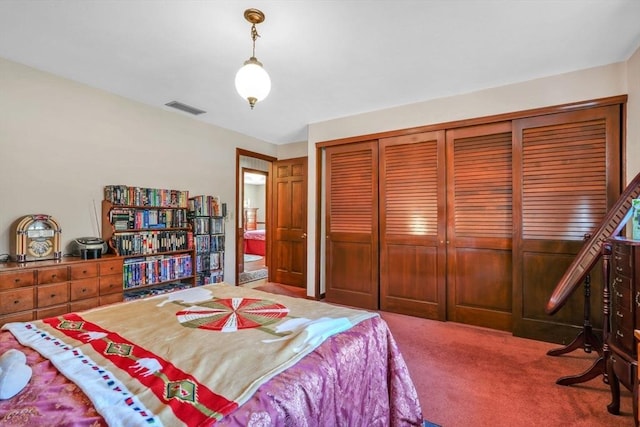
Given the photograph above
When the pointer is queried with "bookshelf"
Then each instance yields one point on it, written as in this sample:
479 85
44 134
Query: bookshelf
150 229
207 222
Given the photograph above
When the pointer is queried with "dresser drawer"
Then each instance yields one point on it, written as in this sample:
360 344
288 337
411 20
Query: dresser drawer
621 264
624 370
82 271
86 288
621 317
621 297
53 294
620 282
56 310
111 267
23 316
17 279
111 284
52 275
84 304
16 300
623 338
110 299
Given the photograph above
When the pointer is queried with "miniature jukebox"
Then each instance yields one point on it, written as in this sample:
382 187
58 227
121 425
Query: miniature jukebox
37 238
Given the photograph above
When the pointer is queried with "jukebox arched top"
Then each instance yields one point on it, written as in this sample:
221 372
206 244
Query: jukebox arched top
37 238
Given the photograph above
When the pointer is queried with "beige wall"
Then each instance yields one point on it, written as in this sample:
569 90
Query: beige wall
292 151
582 85
61 142
633 116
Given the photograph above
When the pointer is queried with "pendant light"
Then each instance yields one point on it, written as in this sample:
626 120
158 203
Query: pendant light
252 81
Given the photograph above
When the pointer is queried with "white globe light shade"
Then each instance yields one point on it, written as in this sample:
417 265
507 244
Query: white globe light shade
252 81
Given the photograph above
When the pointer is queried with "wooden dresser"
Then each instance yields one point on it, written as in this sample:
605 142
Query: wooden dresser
250 218
637 398
624 279
40 289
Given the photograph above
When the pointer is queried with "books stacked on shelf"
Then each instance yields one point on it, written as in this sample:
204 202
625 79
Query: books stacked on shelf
147 271
150 242
141 196
200 224
217 243
158 290
133 219
208 230
202 243
205 206
216 225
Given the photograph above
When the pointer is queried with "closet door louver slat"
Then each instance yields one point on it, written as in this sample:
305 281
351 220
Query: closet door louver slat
482 182
564 193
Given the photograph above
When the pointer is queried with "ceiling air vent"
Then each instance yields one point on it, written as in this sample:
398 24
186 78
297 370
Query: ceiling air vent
184 107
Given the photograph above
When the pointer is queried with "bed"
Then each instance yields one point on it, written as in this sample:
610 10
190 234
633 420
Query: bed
254 242
212 355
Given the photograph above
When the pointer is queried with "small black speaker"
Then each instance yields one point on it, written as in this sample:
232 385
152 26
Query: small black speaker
224 210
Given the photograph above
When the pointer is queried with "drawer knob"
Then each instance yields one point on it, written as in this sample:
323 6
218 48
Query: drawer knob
618 268
16 280
620 315
619 334
16 301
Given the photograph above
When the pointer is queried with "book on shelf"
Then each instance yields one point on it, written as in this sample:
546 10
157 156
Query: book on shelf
141 196
203 205
217 225
150 242
157 269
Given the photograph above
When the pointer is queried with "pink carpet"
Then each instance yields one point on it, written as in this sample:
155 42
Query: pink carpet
470 376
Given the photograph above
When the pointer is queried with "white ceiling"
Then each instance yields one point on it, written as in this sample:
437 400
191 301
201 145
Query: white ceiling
326 58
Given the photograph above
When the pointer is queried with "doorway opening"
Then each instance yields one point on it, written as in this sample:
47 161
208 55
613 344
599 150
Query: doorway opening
253 215
254 193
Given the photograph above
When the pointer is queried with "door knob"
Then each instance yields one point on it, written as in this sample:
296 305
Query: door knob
304 236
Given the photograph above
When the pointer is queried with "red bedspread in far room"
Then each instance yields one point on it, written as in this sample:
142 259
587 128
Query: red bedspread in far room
354 377
254 242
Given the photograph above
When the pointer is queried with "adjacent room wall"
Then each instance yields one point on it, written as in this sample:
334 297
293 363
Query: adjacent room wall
61 142
633 116
599 82
292 151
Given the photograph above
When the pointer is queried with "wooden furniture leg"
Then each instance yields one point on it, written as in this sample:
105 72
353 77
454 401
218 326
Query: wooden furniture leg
614 383
599 367
586 338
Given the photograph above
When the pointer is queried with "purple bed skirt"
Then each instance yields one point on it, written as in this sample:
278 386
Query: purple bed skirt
355 378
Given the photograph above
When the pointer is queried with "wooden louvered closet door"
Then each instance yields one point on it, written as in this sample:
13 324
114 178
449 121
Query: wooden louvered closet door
412 250
567 176
479 225
352 225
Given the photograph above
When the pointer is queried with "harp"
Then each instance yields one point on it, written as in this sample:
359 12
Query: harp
578 271
610 226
